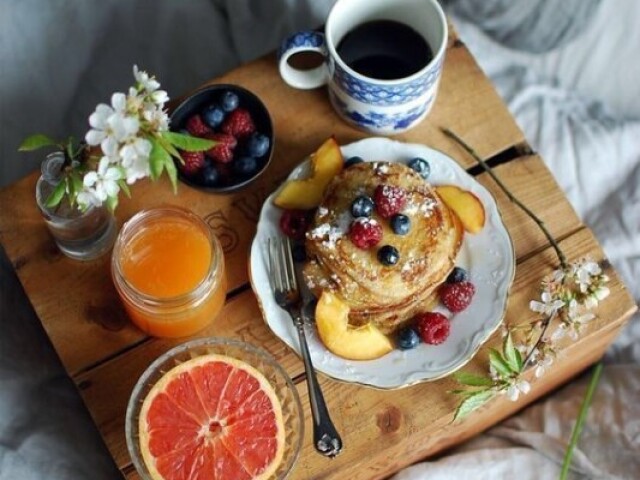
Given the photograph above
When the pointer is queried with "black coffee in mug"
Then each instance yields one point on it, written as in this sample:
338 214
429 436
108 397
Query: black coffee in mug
384 49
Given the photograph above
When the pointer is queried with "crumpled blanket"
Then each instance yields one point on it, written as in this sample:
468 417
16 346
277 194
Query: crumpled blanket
568 71
587 132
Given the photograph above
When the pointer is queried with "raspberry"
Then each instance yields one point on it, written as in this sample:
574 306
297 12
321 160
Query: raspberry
389 200
196 126
433 327
222 152
193 162
365 233
239 123
457 296
294 223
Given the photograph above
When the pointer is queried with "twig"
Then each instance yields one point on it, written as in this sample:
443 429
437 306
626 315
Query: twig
577 428
545 327
533 216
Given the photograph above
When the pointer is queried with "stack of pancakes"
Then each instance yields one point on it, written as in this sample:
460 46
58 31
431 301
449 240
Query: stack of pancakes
387 296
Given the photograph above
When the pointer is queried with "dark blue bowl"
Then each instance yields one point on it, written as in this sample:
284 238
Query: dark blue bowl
212 94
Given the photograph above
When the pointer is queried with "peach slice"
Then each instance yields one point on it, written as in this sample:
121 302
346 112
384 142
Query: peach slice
353 343
465 205
307 193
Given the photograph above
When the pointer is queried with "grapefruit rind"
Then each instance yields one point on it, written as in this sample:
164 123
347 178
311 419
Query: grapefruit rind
167 378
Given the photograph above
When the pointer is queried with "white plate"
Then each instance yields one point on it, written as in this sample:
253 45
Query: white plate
488 256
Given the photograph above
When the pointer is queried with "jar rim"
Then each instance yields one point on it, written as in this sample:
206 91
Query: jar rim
151 301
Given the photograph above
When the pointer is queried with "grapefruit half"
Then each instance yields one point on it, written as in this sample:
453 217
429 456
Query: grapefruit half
212 418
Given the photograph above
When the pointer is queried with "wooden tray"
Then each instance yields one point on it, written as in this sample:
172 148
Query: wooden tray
382 431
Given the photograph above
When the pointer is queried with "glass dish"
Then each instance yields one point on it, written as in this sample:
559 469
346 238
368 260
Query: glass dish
254 356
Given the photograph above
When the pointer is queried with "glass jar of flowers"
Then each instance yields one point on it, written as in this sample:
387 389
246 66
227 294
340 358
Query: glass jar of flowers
129 140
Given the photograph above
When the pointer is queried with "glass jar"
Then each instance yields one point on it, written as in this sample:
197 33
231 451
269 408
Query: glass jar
168 268
81 235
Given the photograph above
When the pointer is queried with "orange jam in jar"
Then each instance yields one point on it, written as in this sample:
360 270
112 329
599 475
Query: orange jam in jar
168 268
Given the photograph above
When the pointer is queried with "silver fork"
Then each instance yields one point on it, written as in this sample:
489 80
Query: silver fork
287 296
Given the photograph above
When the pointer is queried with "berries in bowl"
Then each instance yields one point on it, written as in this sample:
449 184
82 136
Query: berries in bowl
239 123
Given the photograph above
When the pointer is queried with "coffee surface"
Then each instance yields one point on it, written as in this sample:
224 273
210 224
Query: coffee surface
385 50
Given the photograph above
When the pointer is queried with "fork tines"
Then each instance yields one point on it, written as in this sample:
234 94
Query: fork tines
281 267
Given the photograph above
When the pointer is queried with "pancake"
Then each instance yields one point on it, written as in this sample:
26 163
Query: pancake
388 296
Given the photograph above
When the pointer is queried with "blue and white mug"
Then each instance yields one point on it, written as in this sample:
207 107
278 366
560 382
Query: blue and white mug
378 106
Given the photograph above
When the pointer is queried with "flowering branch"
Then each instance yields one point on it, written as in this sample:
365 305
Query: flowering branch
567 295
129 140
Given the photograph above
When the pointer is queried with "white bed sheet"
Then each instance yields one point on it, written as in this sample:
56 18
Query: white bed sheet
587 131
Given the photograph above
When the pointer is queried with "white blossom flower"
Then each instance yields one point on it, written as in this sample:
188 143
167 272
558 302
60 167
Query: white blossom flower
103 183
577 321
590 302
583 272
519 386
602 292
87 198
135 101
548 306
156 117
111 126
557 275
135 159
583 318
159 97
150 84
542 365
559 332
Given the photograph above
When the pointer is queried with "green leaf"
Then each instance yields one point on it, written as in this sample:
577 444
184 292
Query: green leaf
472 402
499 363
582 415
76 181
112 202
172 171
460 392
70 153
170 148
467 393
511 354
472 380
56 196
187 142
124 187
35 142
157 159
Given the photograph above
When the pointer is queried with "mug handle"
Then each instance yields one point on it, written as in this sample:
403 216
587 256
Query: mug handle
306 41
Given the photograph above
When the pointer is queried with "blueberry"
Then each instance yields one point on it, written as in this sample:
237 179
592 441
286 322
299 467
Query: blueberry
245 166
457 275
400 224
408 339
421 166
213 115
257 145
388 255
299 253
362 206
210 175
229 101
352 161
